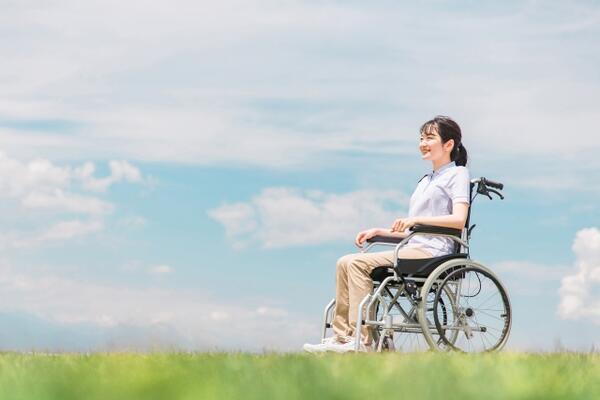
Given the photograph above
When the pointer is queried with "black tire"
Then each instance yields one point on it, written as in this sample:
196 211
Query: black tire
388 344
482 311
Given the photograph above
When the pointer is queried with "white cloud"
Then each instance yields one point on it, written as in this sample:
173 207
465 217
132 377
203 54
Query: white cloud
132 222
196 320
528 279
279 217
40 183
531 272
60 194
161 270
60 201
58 232
238 218
580 290
120 171
219 316
69 229
170 88
271 312
574 179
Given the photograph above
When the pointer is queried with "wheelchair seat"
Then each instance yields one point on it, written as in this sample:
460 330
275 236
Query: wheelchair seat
420 267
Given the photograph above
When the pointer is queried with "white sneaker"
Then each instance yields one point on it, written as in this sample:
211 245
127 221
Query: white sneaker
321 347
348 346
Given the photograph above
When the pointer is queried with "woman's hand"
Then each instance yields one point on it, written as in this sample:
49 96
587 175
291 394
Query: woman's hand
402 224
363 236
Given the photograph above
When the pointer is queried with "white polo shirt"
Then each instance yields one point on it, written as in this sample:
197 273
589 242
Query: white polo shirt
434 196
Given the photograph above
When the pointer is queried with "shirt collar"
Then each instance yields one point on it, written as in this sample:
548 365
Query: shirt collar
443 168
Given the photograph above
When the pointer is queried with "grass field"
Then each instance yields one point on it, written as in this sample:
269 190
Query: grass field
298 376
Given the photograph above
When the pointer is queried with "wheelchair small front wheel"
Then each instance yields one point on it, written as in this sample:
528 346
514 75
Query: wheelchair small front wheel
388 344
408 336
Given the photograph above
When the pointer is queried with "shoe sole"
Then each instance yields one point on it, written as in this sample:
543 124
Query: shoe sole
347 350
313 351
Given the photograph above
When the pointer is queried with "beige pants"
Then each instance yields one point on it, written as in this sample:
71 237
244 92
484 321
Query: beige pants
353 283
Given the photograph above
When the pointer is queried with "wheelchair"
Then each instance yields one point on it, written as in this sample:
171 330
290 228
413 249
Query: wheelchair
442 303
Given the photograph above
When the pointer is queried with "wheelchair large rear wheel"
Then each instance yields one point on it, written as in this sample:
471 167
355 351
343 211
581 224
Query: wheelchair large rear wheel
481 314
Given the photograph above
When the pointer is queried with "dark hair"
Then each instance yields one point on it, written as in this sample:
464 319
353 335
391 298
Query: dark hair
448 129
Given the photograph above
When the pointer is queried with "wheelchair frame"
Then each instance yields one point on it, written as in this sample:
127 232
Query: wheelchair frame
435 282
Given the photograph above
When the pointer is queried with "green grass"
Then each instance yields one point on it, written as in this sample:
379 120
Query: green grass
298 376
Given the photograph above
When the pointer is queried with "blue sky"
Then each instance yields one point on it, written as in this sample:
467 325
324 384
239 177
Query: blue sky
186 175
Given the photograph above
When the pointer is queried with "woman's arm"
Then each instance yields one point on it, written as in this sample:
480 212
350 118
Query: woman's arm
363 236
456 220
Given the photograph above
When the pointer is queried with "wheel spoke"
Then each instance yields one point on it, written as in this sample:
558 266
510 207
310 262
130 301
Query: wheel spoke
482 294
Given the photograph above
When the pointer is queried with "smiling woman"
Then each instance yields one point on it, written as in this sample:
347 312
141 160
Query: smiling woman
440 199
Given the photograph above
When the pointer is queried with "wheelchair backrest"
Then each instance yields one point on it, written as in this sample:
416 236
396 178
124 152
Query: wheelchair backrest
478 186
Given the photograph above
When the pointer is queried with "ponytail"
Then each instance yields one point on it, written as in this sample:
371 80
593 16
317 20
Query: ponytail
459 156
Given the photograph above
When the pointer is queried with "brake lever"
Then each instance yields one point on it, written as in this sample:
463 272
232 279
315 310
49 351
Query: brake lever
496 192
484 190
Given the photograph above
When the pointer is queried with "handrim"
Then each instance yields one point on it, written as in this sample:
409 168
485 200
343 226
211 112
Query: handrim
436 275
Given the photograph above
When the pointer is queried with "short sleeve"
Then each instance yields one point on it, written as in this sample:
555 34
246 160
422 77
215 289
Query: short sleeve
460 186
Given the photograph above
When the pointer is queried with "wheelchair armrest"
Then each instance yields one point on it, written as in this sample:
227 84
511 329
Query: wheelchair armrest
385 239
436 230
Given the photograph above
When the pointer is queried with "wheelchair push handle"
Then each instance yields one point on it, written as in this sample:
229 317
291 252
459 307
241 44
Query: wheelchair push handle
495 185
484 187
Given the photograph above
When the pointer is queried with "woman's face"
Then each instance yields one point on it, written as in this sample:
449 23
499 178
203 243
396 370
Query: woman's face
431 146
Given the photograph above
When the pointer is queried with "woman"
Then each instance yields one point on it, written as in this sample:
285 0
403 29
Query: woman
441 199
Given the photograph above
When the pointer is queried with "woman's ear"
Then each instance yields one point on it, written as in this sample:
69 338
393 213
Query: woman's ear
449 145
